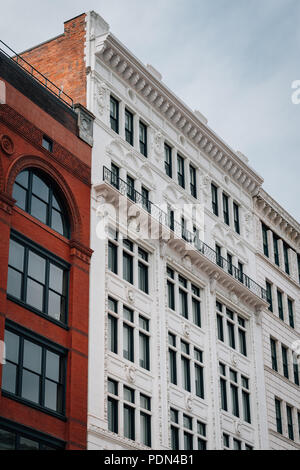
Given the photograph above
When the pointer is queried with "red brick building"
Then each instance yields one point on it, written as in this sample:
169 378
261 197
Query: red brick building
45 163
62 60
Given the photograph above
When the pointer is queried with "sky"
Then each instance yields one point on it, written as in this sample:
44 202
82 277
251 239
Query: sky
233 60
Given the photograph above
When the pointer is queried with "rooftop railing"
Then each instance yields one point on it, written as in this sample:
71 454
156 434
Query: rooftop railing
38 76
181 232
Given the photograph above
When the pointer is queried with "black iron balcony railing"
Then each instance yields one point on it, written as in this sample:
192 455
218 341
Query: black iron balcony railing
180 232
11 54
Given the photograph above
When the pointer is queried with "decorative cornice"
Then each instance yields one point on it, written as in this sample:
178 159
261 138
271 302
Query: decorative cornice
270 210
139 78
80 251
6 203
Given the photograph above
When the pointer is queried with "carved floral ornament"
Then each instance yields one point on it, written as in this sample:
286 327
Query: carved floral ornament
111 51
7 145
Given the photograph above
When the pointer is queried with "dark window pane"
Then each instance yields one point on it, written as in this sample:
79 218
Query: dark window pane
56 306
7 440
30 386
28 444
22 179
52 396
53 366
9 377
36 267
39 209
113 334
56 279
128 345
127 267
32 356
143 277
35 294
19 194
145 423
14 283
112 415
40 188
144 351
57 222
129 428
16 255
12 346
112 258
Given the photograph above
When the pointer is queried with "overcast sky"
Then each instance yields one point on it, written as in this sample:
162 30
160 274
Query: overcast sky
234 60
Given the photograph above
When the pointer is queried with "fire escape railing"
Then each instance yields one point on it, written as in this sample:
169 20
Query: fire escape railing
164 218
38 76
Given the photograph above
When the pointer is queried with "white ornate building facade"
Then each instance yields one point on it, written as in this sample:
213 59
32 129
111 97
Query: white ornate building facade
184 351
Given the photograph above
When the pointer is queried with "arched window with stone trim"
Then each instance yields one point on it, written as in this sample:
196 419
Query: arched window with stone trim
37 194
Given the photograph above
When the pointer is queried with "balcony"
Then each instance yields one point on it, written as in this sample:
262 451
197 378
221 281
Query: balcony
180 232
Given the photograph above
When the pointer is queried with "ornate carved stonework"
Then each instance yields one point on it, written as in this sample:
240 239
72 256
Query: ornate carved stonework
85 124
7 145
101 97
130 373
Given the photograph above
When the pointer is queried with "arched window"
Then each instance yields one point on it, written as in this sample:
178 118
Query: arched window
36 194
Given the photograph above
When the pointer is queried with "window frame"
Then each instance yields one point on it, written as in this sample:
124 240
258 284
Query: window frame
27 335
50 258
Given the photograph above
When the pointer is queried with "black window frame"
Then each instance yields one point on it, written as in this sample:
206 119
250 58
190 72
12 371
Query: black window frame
265 229
129 129
236 217
42 439
226 216
214 199
50 259
193 181
46 345
168 160
114 120
180 171
55 198
143 129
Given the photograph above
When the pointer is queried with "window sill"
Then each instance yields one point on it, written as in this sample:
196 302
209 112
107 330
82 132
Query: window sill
33 405
37 312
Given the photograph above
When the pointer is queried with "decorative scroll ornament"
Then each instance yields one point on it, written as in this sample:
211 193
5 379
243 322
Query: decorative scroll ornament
130 296
7 145
130 373
189 403
186 329
101 97
158 144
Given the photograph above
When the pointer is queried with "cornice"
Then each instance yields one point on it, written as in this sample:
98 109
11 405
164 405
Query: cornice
152 90
271 211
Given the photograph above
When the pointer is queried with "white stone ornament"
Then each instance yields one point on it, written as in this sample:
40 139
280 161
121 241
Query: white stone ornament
130 373
130 296
189 403
101 97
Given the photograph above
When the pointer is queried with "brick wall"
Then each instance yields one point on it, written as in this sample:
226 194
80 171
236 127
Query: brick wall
50 59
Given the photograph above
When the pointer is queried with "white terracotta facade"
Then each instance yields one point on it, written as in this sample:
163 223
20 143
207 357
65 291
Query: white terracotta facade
114 71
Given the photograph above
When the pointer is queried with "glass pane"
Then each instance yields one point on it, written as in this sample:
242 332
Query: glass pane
32 356
57 222
56 280
52 366
145 402
19 194
9 375
39 209
28 444
56 306
7 440
55 204
30 386
35 294
39 188
16 255
14 283
12 346
128 314
22 178
128 394
52 395
36 267
112 387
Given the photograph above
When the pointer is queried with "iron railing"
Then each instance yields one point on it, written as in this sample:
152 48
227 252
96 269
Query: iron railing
33 72
181 232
